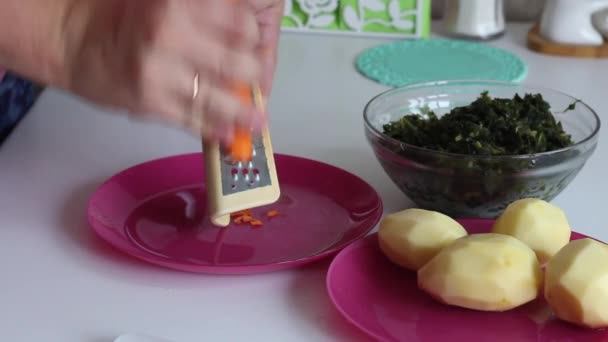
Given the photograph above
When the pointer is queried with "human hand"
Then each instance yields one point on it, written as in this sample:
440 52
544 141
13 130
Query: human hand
268 15
143 56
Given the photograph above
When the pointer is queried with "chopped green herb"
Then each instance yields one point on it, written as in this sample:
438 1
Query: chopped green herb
470 186
487 126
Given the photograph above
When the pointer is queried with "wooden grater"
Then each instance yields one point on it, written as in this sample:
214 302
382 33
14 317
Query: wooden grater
234 186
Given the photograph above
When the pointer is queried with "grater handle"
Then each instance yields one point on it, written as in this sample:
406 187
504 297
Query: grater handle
221 221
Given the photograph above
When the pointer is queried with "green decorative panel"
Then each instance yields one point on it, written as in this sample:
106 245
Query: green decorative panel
311 14
398 18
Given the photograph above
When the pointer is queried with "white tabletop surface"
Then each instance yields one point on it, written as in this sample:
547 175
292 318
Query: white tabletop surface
60 283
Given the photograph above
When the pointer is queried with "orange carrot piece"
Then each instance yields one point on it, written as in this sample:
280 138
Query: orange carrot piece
241 147
272 213
256 223
241 213
238 220
247 218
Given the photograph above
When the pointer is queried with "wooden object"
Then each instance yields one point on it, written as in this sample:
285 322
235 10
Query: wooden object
538 43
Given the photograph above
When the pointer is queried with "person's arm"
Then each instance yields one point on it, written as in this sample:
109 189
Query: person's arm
31 38
176 61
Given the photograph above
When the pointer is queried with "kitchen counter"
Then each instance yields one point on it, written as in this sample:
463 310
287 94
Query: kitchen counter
60 283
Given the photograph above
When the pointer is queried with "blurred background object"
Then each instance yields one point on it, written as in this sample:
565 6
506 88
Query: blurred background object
600 22
393 18
570 22
474 19
515 10
17 96
571 28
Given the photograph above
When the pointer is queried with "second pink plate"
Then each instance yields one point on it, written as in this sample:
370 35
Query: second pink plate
384 301
156 211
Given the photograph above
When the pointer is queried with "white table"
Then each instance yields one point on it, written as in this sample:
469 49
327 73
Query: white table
59 283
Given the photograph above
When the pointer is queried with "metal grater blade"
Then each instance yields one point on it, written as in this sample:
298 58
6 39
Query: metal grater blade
242 176
233 186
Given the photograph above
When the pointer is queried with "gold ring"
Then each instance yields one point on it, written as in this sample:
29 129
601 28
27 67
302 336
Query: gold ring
190 120
195 88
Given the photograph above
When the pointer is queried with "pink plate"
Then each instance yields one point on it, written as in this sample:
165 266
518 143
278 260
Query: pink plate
156 211
383 300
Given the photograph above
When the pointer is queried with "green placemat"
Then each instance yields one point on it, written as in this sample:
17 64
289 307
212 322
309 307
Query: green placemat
414 61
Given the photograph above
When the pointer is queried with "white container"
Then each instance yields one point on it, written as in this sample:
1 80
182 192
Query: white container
600 22
570 21
477 19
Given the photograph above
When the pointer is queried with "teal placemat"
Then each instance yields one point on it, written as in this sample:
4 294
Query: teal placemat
414 61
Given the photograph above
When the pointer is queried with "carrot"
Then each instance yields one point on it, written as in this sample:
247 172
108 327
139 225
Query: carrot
241 213
246 216
241 147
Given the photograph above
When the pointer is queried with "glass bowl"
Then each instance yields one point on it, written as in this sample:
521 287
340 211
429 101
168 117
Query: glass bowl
462 185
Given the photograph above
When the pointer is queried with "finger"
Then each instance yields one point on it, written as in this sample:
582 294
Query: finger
230 56
165 83
217 132
229 52
203 39
163 90
223 108
214 110
165 21
244 32
216 58
260 5
184 27
228 65
268 58
230 21
269 19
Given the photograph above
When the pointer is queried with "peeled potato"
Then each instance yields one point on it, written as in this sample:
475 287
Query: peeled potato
539 224
487 272
576 283
410 238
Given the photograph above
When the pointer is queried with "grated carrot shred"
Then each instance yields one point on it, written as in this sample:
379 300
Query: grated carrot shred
246 216
272 213
241 213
